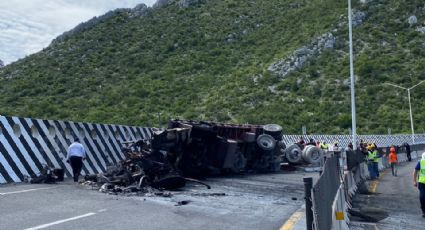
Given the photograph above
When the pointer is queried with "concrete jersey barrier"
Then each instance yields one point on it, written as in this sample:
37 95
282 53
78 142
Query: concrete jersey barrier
27 144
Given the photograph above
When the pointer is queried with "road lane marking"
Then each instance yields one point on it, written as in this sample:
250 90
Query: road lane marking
22 191
374 184
289 224
61 221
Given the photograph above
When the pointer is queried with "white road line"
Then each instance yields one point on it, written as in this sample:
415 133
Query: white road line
22 191
61 221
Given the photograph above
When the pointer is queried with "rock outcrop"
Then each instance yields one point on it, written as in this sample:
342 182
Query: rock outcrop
358 18
301 56
89 24
138 11
412 20
161 3
421 29
187 3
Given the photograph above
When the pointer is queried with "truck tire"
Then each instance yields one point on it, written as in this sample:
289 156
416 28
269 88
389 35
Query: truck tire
266 142
312 154
293 154
273 130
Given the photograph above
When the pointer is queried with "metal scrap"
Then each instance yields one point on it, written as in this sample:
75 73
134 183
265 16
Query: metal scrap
145 170
48 175
191 149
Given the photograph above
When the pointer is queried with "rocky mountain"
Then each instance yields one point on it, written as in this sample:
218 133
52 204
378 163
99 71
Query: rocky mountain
275 61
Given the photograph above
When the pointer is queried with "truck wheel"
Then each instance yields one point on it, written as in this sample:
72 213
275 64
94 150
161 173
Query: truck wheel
293 154
312 154
266 142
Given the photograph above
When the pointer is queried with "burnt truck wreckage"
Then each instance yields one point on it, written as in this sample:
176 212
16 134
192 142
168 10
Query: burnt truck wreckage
200 149
197 149
189 149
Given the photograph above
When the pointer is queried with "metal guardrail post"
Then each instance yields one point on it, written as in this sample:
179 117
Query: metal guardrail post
308 185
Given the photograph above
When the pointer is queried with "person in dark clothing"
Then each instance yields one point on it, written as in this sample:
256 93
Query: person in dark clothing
311 142
76 155
407 146
350 146
301 143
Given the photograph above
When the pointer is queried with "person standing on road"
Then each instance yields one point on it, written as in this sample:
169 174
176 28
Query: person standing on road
370 160
318 144
76 155
407 146
376 159
349 147
301 143
393 161
324 146
419 181
311 142
364 148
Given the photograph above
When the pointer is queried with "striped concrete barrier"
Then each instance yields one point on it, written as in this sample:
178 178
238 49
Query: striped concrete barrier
344 140
27 144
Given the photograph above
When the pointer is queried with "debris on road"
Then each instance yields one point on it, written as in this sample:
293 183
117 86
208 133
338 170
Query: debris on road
183 202
47 176
191 149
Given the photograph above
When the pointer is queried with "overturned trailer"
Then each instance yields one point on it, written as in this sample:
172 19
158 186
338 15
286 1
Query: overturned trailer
198 148
191 149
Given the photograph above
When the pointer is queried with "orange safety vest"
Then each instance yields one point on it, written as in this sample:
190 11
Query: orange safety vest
393 157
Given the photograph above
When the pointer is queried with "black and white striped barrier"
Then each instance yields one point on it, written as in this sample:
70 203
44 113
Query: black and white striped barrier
344 140
27 144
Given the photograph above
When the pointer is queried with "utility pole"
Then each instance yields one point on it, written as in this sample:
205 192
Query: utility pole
353 99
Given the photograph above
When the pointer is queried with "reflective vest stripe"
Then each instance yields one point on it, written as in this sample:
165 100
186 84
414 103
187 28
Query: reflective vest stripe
371 155
376 159
422 172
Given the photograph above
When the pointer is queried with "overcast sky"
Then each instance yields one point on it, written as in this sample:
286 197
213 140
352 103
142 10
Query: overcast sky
27 26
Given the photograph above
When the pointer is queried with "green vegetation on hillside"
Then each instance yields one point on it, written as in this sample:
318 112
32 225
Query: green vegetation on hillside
209 62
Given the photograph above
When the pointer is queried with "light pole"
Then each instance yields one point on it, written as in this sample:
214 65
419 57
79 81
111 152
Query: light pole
410 105
353 100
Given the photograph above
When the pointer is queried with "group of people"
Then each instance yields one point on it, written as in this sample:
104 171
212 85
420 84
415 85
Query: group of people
370 150
322 145
373 156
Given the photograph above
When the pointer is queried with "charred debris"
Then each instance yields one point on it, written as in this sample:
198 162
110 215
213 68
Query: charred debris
195 149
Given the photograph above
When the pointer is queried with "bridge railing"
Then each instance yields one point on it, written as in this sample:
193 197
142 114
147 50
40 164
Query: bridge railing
332 194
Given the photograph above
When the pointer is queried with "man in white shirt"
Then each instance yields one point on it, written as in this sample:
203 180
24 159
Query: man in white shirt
76 155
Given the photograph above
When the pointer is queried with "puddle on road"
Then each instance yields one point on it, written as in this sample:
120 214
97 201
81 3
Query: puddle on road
368 214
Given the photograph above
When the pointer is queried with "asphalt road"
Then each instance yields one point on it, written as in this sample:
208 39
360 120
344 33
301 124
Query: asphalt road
240 202
396 198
